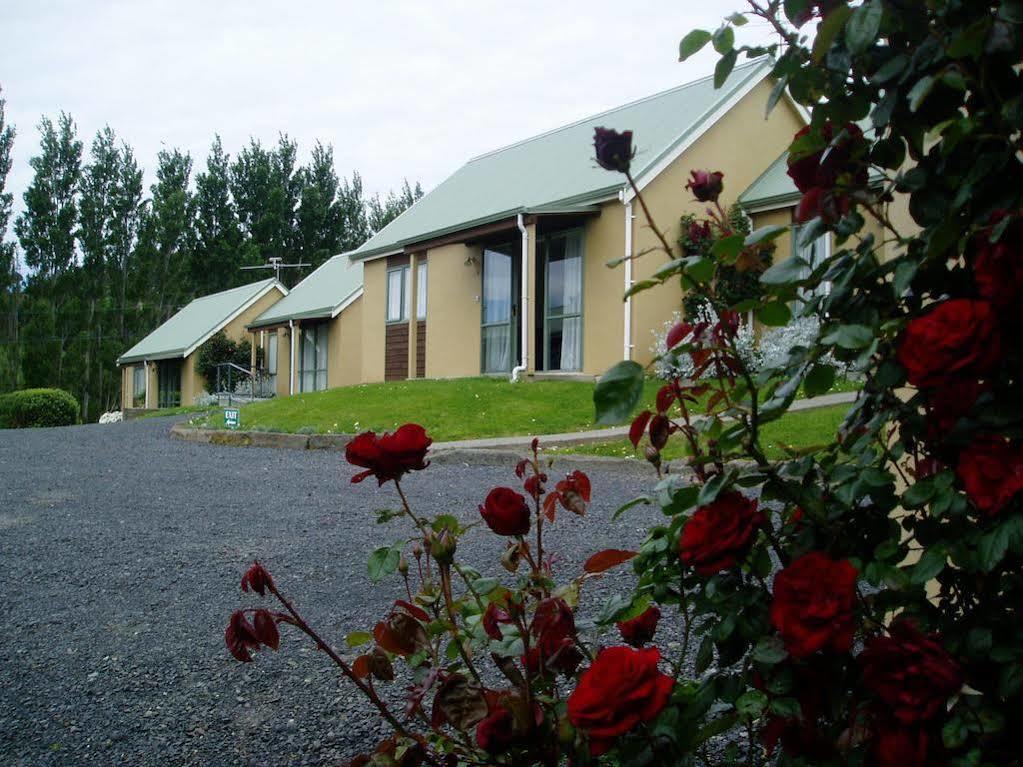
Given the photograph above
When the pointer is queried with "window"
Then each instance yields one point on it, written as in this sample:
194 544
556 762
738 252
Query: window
421 291
399 294
271 361
138 386
814 254
313 359
563 300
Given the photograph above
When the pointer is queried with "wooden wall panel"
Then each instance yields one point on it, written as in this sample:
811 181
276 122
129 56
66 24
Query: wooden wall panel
396 352
421 350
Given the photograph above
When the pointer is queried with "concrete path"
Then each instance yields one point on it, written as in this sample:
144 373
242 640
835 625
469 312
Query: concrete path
606 435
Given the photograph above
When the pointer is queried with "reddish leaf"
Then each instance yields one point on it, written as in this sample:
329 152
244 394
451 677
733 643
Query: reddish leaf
605 560
574 502
638 427
361 667
678 332
665 396
550 506
520 468
416 612
577 481
266 629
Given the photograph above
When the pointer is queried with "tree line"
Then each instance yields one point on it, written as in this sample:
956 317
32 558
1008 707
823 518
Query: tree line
95 263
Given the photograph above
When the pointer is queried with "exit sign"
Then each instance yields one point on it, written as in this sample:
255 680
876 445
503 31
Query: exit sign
231 418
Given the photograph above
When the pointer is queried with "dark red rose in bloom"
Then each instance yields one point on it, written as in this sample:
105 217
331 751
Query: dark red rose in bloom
705 185
812 608
506 512
947 403
822 203
720 534
910 672
991 470
998 266
506 724
613 149
957 338
494 616
621 689
800 736
824 167
553 638
641 629
257 579
389 456
901 747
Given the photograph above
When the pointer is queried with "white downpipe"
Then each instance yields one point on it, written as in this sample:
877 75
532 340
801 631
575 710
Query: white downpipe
291 364
521 368
145 365
628 281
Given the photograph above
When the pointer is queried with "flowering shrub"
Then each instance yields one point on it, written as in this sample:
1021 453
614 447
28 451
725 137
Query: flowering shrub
670 364
855 603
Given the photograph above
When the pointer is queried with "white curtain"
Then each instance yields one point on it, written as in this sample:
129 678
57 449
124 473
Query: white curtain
572 327
496 348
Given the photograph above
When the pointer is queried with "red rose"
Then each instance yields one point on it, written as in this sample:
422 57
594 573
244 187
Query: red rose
720 534
947 403
502 729
641 629
812 604
998 266
621 689
957 338
910 672
613 149
898 747
991 471
826 166
389 456
506 512
705 185
553 638
800 736
823 204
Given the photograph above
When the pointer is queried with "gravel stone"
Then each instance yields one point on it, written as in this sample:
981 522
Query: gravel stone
121 551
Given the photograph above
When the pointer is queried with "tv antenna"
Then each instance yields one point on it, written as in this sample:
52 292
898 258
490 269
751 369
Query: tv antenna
276 263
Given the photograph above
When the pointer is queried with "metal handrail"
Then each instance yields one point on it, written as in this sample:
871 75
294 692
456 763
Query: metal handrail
233 374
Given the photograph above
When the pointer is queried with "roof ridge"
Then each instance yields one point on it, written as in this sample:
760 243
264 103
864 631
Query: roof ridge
231 290
754 62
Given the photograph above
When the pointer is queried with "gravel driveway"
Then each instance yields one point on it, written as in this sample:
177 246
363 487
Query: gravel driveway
120 554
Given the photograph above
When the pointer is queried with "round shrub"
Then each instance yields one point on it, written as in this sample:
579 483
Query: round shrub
30 408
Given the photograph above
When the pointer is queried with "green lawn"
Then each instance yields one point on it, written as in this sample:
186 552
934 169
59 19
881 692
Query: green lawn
464 408
182 410
800 429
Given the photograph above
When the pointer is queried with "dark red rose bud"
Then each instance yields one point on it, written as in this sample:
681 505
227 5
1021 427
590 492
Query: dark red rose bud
958 338
660 428
621 689
389 456
240 637
641 629
266 629
705 185
719 535
257 579
812 606
991 472
910 672
613 150
506 512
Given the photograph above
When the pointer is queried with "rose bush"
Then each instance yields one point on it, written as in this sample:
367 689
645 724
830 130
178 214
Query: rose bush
854 603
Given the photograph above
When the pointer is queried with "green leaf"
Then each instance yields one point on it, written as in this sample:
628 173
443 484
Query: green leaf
920 91
712 489
828 30
639 286
358 638
774 314
485 585
700 269
727 248
770 651
849 336
751 704
992 547
930 565
776 93
863 26
724 39
705 655
765 234
644 500
904 274
737 19
383 562
692 43
618 392
819 380
788 708
787 272
724 68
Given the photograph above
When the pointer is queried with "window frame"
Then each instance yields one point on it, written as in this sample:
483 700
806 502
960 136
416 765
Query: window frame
137 392
421 292
405 292
314 334
576 232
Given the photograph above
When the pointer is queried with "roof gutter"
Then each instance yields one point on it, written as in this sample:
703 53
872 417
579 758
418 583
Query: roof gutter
523 365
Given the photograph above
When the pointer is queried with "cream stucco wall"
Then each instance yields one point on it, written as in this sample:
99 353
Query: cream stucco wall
603 287
374 309
453 290
344 347
740 145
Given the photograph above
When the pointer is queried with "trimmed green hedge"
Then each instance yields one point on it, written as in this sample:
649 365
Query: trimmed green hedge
29 408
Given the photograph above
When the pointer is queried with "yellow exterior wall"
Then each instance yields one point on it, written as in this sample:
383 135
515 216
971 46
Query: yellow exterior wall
453 294
192 384
374 310
740 145
603 288
344 347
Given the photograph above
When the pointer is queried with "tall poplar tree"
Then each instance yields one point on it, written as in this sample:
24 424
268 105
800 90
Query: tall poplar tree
383 212
10 279
319 212
217 253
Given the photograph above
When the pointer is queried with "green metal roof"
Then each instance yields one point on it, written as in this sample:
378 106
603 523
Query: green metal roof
199 320
557 169
772 187
324 293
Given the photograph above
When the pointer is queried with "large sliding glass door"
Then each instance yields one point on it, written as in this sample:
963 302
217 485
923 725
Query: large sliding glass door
499 316
562 257
168 383
312 370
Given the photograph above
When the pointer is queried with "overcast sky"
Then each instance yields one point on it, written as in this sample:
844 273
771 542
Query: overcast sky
401 89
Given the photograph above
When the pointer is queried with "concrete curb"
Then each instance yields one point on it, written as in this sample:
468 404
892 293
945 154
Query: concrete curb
490 451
